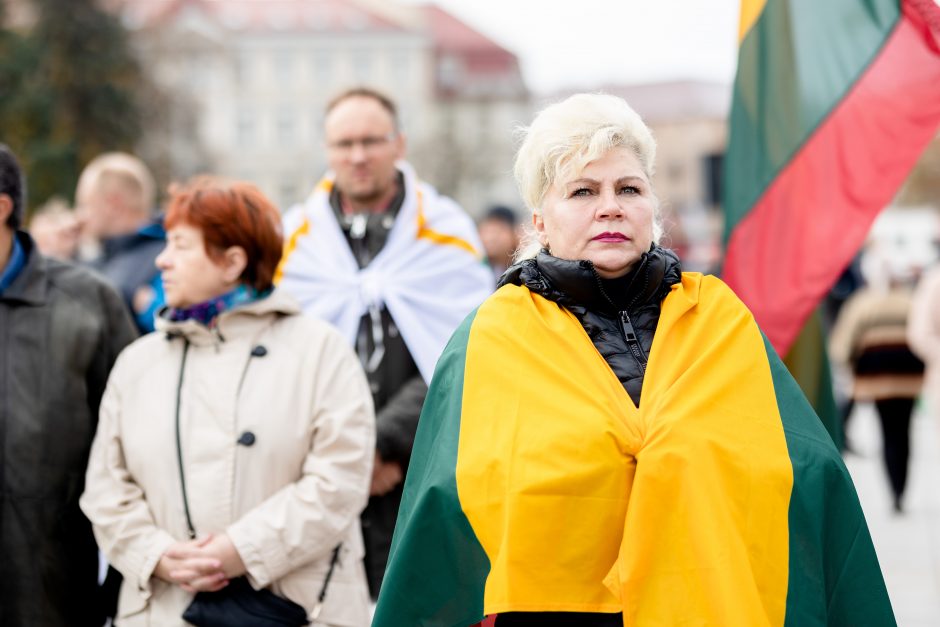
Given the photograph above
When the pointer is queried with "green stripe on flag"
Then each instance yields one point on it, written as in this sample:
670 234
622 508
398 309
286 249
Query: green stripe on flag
795 66
436 567
835 579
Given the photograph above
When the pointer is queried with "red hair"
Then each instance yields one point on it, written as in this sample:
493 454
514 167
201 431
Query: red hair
231 213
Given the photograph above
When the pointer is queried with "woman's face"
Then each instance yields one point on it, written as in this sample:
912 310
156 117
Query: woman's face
604 214
189 275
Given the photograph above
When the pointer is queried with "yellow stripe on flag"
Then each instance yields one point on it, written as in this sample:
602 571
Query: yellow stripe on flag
424 232
750 11
289 249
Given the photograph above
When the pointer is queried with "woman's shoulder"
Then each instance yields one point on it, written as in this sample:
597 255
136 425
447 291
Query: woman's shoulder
145 355
295 326
307 339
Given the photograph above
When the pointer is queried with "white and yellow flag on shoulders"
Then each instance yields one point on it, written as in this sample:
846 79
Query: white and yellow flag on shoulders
430 274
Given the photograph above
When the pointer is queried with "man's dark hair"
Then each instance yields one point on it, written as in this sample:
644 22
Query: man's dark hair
366 92
11 184
502 214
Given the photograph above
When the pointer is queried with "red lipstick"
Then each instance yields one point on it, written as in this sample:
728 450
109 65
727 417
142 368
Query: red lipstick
608 236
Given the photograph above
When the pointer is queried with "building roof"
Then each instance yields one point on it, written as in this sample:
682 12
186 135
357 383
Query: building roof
330 16
471 64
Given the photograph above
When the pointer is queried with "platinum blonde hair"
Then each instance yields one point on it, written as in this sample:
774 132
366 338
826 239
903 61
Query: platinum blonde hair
566 136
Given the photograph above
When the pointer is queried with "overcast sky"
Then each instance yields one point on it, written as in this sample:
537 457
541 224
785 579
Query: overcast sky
586 43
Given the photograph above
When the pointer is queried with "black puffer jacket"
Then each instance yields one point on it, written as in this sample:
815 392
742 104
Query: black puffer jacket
621 324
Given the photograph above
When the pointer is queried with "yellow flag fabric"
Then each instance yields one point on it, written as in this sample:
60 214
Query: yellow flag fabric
562 462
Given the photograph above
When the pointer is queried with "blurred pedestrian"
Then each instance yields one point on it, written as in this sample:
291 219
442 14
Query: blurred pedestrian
396 267
499 232
61 328
236 443
923 334
869 341
116 199
608 441
55 229
847 284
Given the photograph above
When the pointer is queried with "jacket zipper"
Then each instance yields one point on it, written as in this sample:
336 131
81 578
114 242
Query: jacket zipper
626 325
629 334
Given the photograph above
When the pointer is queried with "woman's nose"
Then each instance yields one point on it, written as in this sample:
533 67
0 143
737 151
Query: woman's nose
162 261
608 207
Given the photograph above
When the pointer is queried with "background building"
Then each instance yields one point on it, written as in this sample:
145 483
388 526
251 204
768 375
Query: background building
250 81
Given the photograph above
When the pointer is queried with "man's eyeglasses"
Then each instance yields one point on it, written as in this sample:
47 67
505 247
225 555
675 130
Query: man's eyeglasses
370 142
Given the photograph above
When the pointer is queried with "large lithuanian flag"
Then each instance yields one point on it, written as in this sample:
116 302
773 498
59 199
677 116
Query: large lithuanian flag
537 485
833 103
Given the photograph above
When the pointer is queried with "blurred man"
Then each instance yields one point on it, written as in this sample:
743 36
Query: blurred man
55 229
116 199
499 232
396 267
61 328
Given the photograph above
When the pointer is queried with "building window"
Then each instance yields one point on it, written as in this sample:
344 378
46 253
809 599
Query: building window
283 67
244 64
362 65
286 126
448 72
712 168
401 67
322 68
246 129
287 194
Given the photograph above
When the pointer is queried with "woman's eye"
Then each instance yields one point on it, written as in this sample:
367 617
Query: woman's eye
629 189
581 191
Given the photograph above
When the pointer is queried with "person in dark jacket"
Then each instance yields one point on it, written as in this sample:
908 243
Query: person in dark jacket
610 441
61 329
116 196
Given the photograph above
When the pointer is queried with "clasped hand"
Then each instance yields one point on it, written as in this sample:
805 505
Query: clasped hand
202 565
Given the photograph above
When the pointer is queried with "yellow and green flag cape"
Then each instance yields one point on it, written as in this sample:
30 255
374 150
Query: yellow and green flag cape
537 485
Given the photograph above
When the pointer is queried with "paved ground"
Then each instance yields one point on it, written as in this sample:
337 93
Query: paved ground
908 544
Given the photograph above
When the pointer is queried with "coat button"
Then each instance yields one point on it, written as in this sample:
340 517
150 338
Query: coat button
247 438
259 351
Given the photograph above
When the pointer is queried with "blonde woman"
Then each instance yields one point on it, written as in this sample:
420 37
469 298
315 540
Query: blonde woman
610 441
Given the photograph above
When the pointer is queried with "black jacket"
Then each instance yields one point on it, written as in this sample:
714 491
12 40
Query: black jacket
619 316
61 328
128 263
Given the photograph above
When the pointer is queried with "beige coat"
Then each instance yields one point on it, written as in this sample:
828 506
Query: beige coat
285 501
923 334
870 320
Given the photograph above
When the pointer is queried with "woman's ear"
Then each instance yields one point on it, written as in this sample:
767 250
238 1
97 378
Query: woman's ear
538 223
234 263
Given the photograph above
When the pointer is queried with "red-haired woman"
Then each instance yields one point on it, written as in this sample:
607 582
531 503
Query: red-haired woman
235 443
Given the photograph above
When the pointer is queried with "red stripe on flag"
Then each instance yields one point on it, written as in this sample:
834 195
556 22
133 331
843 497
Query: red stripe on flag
789 250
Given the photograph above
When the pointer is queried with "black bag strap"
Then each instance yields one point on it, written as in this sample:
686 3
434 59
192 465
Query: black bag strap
189 521
179 445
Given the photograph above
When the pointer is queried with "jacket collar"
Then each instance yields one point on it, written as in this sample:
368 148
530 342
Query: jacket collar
237 322
32 284
151 231
576 282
